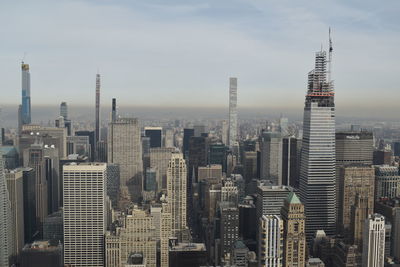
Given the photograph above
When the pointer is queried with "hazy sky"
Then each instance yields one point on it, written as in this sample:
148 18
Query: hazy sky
182 52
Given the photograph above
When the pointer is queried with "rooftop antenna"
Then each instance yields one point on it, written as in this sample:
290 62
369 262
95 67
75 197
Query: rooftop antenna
330 57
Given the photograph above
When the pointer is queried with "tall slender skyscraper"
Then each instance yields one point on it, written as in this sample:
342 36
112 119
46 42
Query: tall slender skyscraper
114 110
64 110
84 213
317 174
26 94
97 131
232 111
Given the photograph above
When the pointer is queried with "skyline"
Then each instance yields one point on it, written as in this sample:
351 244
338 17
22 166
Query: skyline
192 49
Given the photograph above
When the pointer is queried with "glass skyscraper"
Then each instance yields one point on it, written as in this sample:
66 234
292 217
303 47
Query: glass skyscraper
317 174
26 94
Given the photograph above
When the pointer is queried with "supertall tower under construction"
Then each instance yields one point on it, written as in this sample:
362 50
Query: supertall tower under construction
317 174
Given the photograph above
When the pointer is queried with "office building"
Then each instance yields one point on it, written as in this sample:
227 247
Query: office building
125 149
64 110
137 235
91 135
15 188
79 145
6 238
155 134
352 148
317 173
10 157
169 139
187 134
84 194
233 115
42 254
217 154
270 245
211 173
271 157
150 184
240 254
113 183
159 160
176 192
354 180
229 227
198 156
382 157
289 161
271 198
387 181
29 195
374 241
26 94
249 166
294 236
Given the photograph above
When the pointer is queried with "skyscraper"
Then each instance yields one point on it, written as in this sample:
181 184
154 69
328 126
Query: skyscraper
114 110
317 174
64 110
374 241
176 191
6 244
294 232
97 126
155 134
26 94
125 149
387 181
271 157
232 132
84 213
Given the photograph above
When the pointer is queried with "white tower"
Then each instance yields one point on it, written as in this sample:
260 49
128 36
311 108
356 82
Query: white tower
232 112
374 241
84 213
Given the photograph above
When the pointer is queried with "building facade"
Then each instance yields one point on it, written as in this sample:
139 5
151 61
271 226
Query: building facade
84 213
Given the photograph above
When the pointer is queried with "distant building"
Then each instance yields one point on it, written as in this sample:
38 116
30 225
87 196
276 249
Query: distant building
289 161
155 134
53 228
159 160
233 114
315 262
211 173
387 181
113 183
187 134
271 157
382 157
374 241
239 254
125 149
26 94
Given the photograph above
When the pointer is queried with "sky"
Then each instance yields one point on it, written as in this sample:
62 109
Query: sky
182 52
